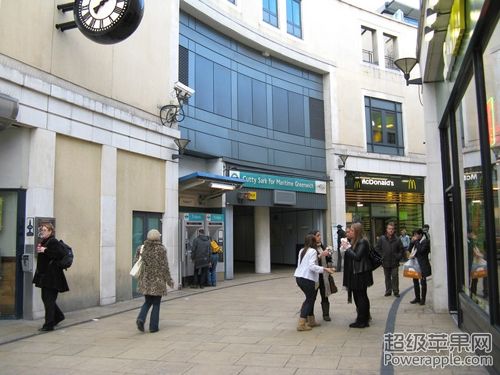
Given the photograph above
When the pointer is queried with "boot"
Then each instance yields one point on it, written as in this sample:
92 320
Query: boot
311 321
424 293
416 289
302 325
325 306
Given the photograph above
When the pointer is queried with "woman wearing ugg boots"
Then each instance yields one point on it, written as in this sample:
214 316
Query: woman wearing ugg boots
307 276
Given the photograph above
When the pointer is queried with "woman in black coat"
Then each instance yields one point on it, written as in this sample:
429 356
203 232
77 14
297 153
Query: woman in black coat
360 277
49 276
420 249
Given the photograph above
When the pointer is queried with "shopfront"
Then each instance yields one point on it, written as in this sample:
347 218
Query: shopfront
376 199
468 119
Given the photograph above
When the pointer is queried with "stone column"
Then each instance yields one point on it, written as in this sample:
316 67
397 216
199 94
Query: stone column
262 240
39 203
108 226
170 225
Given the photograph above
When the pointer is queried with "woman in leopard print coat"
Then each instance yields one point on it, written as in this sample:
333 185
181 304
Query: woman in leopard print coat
153 279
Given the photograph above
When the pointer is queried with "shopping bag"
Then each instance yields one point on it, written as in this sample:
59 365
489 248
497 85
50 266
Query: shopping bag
479 268
411 269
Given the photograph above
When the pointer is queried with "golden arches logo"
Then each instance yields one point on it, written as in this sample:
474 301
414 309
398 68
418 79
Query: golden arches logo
412 184
357 184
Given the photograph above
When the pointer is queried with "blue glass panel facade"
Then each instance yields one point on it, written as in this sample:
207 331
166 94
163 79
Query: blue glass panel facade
248 107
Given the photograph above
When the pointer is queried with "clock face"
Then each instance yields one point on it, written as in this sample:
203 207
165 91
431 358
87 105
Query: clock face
100 15
108 21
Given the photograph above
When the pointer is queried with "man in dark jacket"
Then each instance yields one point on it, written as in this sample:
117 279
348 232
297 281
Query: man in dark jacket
200 254
391 249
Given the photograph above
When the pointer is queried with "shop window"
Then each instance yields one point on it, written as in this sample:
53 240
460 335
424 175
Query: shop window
369 45
384 126
491 63
475 284
270 12
294 18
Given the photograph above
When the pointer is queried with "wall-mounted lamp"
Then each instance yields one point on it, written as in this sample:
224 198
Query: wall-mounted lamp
406 65
218 185
181 144
342 160
171 113
9 108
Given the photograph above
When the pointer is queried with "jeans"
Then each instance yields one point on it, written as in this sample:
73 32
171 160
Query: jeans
53 313
212 270
391 279
308 287
155 312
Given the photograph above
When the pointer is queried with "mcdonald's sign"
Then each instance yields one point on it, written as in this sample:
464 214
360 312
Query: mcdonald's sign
412 184
374 182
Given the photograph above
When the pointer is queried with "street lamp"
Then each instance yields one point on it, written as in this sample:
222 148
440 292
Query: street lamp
181 145
406 65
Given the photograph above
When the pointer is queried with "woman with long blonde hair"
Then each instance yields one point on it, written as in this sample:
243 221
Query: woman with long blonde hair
360 277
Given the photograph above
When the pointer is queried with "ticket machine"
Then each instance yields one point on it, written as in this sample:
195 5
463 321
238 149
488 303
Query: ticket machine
191 223
215 230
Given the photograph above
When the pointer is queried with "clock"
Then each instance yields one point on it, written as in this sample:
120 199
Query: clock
108 21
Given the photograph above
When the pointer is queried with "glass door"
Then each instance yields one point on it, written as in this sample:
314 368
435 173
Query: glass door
11 243
142 222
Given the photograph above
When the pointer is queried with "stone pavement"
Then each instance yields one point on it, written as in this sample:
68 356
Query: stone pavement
244 326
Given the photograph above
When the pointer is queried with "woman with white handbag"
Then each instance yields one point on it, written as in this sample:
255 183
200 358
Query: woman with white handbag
153 278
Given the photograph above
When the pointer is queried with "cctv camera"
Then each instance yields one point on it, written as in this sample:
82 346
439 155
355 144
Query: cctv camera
183 92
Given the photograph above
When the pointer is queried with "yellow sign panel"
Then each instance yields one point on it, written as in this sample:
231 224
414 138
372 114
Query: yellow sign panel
252 195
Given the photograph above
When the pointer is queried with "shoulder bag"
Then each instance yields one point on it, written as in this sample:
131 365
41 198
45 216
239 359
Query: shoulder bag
136 268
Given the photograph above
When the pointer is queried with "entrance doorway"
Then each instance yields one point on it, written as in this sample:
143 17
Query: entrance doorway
288 228
12 208
142 223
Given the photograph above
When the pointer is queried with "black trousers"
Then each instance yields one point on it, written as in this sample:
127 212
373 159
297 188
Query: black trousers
53 313
362 305
391 279
200 276
309 288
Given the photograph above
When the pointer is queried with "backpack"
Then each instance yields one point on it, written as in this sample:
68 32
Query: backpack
215 246
67 260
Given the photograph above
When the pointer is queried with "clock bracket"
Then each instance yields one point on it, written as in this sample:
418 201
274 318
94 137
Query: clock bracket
67 7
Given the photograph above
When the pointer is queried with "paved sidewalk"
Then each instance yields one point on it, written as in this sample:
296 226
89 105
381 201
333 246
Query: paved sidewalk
244 326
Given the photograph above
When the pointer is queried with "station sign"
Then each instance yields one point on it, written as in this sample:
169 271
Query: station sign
275 182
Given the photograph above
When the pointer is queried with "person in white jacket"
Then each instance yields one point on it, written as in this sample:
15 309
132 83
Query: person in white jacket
307 278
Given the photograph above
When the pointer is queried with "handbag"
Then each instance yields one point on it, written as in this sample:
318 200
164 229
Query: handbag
411 269
136 268
375 258
479 268
333 287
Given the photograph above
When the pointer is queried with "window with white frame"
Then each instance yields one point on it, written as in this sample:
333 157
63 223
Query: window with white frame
390 51
270 12
294 18
369 45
